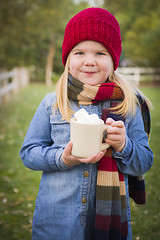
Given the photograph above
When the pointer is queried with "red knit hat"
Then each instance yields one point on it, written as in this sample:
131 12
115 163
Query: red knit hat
94 24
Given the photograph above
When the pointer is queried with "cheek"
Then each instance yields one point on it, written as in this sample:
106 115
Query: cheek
106 70
73 71
72 66
107 67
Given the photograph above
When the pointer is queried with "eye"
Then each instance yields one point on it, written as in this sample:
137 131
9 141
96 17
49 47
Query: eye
100 53
79 53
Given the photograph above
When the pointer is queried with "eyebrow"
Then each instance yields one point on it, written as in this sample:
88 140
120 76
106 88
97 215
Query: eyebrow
77 49
81 50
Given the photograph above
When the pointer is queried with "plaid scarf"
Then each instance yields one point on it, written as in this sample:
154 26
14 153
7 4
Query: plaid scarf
111 210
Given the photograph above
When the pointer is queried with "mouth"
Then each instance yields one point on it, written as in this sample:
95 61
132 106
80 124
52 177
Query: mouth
89 73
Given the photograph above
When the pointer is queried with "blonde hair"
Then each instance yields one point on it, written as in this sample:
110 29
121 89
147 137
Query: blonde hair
127 106
62 102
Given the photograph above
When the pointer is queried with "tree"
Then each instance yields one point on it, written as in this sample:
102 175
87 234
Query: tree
139 22
27 28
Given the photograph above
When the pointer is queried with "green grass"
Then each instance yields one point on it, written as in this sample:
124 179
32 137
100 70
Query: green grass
146 218
19 185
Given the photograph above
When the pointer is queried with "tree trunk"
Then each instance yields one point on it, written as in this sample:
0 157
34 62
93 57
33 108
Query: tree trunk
49 64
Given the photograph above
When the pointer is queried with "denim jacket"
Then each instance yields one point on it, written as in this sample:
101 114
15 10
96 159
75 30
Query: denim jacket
60 212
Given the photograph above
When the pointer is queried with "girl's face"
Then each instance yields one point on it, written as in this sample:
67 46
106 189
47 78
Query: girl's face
90 63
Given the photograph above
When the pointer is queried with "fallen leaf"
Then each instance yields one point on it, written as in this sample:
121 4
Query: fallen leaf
146 212
30 220
2 194
29 205
2 136
16 203
17 212
7 179
30 198
15 190
26 226
4 200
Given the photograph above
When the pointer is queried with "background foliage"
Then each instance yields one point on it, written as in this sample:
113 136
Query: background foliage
139 22
28 27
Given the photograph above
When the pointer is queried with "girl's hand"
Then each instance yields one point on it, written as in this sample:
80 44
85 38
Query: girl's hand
71 160
116 134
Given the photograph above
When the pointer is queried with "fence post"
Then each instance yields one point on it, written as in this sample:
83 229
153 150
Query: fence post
16 80
7 96
12 82
24 77
137 75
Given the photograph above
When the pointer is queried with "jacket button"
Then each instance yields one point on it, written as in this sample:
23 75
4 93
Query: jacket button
86 174
84 200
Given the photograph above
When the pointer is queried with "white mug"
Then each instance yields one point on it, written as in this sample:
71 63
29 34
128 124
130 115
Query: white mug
87 138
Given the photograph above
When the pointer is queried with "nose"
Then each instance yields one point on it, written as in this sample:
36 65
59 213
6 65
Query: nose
89 60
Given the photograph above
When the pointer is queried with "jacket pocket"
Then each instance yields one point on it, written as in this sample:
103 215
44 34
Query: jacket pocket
60 129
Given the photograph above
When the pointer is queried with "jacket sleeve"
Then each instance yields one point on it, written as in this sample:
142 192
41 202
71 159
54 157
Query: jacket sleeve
38 151
136 158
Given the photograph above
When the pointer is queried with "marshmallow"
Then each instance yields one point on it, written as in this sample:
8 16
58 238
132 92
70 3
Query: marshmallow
83 117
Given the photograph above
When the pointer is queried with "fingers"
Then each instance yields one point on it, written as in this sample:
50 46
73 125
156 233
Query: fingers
68 149
115 134
114 123
115 130
114 137
94 158
119 124
68 158
109 121
71 160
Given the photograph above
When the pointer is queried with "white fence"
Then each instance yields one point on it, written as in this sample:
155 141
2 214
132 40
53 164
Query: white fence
11 82
140 75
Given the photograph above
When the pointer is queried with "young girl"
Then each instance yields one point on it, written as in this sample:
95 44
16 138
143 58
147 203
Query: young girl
88 198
